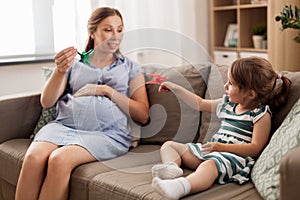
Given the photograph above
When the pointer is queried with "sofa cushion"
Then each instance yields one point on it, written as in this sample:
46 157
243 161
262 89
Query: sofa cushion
135 183
131 183
265 173
210 123
170 117
83 175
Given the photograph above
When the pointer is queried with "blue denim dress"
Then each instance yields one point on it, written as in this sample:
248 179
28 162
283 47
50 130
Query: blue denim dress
93 122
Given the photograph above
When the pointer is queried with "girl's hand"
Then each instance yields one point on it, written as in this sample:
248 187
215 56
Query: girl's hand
210 147
166 86
64 59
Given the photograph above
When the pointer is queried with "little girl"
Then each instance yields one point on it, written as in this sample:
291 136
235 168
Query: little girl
252 89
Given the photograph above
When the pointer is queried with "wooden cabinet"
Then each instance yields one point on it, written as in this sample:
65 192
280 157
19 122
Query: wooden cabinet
281 50
244 14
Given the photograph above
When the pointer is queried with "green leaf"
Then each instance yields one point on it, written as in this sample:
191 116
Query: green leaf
297 39
291 11
297 12
290 19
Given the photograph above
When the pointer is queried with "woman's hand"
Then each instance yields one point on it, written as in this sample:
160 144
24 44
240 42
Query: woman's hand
92 90
64 59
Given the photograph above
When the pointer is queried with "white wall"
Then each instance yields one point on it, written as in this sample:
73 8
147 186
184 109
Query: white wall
169 32
16 79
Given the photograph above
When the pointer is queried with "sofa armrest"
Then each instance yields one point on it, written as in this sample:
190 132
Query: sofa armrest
19 115
289 175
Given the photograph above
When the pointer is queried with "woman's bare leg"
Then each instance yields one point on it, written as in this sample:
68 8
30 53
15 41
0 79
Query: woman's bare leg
60 165
33 170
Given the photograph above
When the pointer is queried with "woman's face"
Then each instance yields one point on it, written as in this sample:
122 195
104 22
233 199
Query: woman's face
108 35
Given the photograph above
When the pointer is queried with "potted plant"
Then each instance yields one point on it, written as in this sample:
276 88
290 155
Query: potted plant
258 33
265 41
290 19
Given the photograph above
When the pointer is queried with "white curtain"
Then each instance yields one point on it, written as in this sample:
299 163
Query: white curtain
159 32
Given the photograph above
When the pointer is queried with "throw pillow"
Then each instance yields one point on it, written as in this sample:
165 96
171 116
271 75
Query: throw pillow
48 114
265 173
170 117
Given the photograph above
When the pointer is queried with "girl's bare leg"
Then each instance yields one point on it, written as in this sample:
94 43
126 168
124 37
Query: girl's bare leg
60 165
178 153
33 170
204 176
173 154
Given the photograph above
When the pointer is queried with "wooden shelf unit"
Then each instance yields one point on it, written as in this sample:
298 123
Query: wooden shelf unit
240 12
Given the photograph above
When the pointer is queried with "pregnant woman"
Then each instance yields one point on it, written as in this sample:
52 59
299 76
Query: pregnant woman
96 97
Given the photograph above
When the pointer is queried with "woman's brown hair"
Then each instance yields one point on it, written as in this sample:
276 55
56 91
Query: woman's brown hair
255 73
97 17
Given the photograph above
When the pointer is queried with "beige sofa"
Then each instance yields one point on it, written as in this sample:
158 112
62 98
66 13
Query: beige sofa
129 176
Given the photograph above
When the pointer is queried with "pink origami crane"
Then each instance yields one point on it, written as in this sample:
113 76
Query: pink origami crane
158 79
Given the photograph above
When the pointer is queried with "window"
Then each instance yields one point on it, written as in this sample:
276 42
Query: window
17 29
36 29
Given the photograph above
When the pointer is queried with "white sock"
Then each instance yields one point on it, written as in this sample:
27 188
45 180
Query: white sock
172 189
168 170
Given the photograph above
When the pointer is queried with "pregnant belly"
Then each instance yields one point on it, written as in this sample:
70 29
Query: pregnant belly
90 113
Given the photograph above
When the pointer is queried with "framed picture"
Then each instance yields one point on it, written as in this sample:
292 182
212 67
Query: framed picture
231 37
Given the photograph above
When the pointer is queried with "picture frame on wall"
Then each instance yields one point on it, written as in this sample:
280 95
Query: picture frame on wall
231 37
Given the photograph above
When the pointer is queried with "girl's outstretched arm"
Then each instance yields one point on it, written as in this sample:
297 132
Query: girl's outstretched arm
191 99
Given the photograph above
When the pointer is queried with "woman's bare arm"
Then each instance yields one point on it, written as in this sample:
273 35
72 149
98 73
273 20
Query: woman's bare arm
57 82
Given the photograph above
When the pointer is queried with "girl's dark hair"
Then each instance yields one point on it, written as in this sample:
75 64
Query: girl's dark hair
97 17
257 74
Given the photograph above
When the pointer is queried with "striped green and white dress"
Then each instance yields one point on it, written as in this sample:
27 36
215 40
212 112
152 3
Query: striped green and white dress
235 129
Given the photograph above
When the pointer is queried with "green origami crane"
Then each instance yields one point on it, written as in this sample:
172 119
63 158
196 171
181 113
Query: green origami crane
85 56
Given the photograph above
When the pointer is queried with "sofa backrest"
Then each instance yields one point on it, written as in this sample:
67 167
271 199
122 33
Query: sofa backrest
170 118
18 115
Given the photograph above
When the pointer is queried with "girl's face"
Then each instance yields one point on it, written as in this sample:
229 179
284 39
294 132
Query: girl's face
108 35
233 91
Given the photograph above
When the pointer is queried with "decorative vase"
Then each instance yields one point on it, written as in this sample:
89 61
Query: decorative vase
257 41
